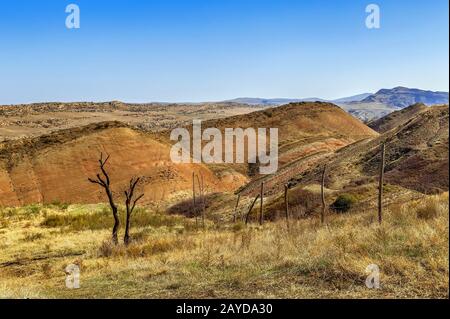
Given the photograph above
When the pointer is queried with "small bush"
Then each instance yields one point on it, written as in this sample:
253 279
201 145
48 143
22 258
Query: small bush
268 112
33 209
46 269
343 203
59 205
429 210
105 249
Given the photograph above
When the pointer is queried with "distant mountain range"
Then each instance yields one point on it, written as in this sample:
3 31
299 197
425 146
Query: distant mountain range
400 97
366 106
281 101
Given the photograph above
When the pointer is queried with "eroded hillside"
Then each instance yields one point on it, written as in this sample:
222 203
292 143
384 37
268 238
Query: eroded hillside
55 167
416 156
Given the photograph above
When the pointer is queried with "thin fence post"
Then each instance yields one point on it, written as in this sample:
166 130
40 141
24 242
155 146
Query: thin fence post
286 204
202 197
261 216
250 209
193 198
380 186
322 193
236 207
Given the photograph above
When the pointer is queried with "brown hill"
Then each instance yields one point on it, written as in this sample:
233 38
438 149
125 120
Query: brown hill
300 121
397 118
305 129
416 156
55 167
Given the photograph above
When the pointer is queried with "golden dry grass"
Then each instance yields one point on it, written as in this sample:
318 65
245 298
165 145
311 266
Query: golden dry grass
171 258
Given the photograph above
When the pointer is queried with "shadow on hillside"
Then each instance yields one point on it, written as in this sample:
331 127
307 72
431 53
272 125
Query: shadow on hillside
187 208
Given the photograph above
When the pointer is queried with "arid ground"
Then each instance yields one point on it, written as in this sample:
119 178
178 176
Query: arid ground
52 216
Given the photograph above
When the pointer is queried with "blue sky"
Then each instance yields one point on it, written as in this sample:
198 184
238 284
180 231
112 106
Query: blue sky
209 50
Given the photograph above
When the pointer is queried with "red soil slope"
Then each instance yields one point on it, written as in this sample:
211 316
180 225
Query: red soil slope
56 167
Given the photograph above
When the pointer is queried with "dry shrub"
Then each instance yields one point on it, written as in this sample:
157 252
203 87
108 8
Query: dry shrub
103 220
47 270
162 245
301 203
30 237
246 239
152 246
106 249
430 209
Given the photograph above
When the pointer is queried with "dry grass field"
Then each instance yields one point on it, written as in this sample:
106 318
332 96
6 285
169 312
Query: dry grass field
171 257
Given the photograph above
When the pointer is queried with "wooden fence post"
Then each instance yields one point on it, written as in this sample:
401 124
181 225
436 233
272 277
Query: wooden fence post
193 198
322 193
380 186
202 196
261 216
204 199
286 204
250 209
236 207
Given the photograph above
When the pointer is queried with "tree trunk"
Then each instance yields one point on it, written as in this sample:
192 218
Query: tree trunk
126 238
380 186
105 183
116 226
130 205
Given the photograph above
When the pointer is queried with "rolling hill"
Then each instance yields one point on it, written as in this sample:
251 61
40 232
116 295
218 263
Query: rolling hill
397 118
55 167
417 156
308 132
304 128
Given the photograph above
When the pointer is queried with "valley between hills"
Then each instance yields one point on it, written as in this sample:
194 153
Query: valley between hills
215 245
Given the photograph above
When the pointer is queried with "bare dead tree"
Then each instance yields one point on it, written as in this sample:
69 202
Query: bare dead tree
380 186
130 204
322 193
106 184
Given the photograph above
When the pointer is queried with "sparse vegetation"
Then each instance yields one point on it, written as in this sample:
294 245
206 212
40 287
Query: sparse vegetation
171 254
343 203
170 257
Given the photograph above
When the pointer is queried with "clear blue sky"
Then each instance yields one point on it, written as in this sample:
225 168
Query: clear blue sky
205 50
